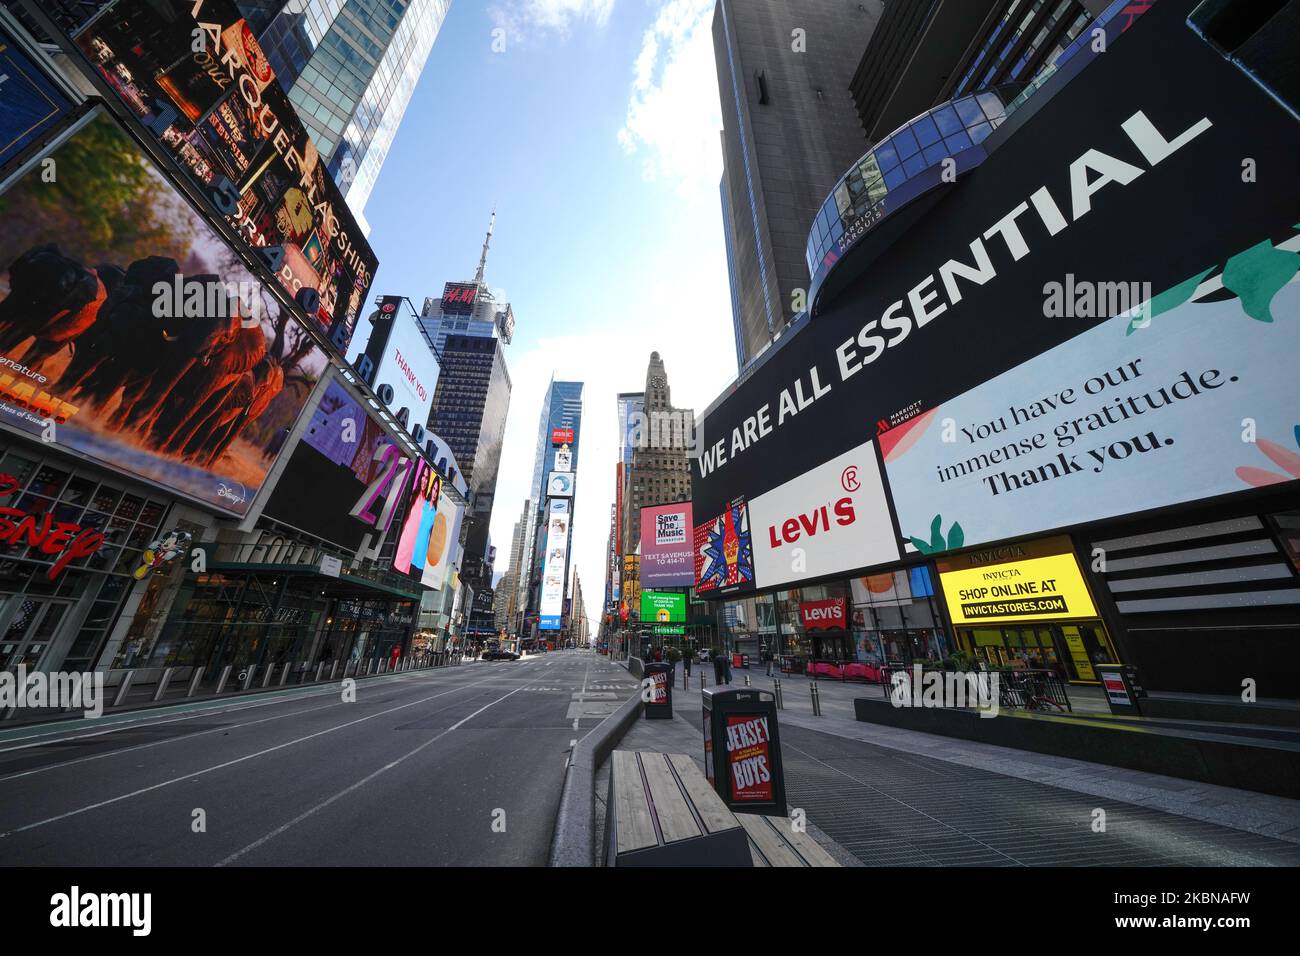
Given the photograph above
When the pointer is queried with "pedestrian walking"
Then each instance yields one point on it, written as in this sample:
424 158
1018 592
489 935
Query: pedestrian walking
717 668
686 662
767 659
726 668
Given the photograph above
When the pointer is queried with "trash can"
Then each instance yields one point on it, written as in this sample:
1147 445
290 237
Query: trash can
742 750
1123 688
657 691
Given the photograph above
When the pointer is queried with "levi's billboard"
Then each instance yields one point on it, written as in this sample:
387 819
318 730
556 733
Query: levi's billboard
195 76
1088 181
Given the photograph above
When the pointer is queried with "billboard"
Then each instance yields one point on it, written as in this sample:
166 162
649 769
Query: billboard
458 298
443 543
221 114
724 552
667 546
663 607
561 436
408 365
1023 355
554 566
560 485
421 533
1045 585
137 338
350 465
31 106
563 460
835 516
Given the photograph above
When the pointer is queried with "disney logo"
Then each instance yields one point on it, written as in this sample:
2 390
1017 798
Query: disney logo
236 497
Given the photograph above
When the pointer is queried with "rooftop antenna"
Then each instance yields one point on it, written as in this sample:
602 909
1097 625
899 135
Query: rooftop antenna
487 241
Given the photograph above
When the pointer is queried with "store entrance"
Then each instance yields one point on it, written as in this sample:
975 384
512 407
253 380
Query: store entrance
28 626
1071 650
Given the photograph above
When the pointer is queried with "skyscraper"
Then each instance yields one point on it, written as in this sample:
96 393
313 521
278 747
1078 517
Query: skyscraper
790 130
350 67
559 436
469 333
659 471
468 307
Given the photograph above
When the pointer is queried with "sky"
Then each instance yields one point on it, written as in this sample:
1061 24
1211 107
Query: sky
593 126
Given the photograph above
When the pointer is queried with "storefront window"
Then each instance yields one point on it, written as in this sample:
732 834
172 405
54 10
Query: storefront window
896 617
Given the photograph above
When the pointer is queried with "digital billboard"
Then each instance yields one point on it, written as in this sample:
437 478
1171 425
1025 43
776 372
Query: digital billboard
667 546
132 335
554 565
1025 357
724 552
217 108
421 532
663 607
346 459
407 364
560 485
31 106
458 298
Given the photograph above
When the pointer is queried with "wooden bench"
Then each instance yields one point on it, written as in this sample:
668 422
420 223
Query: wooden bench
662 812
774 842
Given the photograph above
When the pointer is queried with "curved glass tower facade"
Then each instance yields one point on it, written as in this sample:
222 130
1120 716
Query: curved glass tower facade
350 67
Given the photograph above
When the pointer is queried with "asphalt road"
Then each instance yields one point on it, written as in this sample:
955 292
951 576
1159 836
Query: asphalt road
455 766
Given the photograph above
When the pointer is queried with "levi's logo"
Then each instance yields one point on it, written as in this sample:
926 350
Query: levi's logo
822 614
813 522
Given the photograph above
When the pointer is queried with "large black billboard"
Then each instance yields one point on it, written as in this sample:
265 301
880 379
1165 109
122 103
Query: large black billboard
194 75
1160 167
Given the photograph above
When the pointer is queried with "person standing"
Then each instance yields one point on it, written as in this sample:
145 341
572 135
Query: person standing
717 668
767 659
726 668
686 662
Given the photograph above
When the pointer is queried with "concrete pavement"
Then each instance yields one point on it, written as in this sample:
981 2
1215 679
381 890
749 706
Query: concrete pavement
457 766
897 797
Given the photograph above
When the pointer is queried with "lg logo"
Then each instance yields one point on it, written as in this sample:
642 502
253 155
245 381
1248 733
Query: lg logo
849 479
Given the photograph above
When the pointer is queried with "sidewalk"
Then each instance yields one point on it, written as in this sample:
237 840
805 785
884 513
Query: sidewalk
675 736
889 796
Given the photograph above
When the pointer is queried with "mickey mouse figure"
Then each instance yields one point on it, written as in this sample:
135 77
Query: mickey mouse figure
167 548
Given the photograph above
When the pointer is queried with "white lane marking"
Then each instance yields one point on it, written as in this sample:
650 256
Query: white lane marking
154 717
228 763
361 783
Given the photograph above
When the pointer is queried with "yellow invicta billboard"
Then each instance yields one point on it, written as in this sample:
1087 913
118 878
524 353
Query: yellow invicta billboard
1048 587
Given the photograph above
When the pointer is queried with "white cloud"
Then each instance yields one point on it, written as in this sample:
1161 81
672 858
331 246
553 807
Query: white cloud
530 18
673 117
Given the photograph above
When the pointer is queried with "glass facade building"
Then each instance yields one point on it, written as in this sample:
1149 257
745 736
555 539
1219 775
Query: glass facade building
350 67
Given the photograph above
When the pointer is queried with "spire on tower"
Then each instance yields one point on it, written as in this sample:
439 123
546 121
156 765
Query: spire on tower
487 241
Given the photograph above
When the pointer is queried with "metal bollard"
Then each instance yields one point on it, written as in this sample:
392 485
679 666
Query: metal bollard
284 674
701 680
126 686
686 680
163 681
320 668
777 693
334 668
248 678
221 681
194 681
816 699
266 681
746 680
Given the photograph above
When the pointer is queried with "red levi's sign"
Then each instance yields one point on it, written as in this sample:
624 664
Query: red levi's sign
826 615
45 535
749 757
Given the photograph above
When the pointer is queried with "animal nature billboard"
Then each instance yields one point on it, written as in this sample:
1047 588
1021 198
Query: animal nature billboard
131 334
